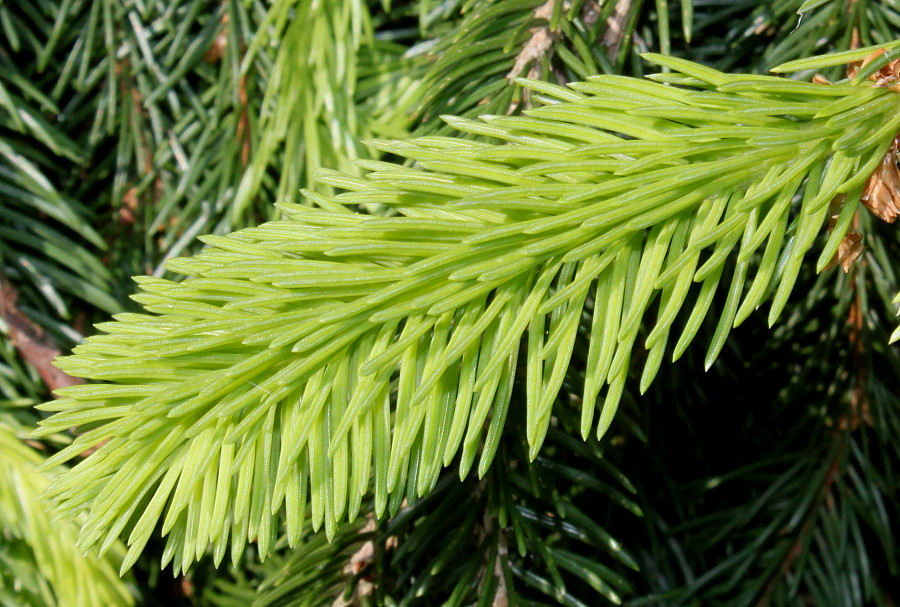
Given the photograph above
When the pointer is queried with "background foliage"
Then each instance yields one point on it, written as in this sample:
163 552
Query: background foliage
130 128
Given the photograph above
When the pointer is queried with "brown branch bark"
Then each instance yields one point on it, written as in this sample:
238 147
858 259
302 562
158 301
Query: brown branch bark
614 34
33 344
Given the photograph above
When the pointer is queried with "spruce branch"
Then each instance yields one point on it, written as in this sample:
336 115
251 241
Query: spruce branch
307 357
788 491
762 34
39 562
496 40
318 575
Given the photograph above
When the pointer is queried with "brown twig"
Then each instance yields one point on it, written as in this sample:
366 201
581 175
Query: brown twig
243 127
540 43
614 34
33 344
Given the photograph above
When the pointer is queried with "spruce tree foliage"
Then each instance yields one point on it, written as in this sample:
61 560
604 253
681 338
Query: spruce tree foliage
432 372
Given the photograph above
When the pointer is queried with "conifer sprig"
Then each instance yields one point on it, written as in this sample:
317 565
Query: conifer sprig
309 358
39 562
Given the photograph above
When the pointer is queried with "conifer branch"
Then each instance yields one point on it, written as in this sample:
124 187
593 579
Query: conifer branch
306 356
39 562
